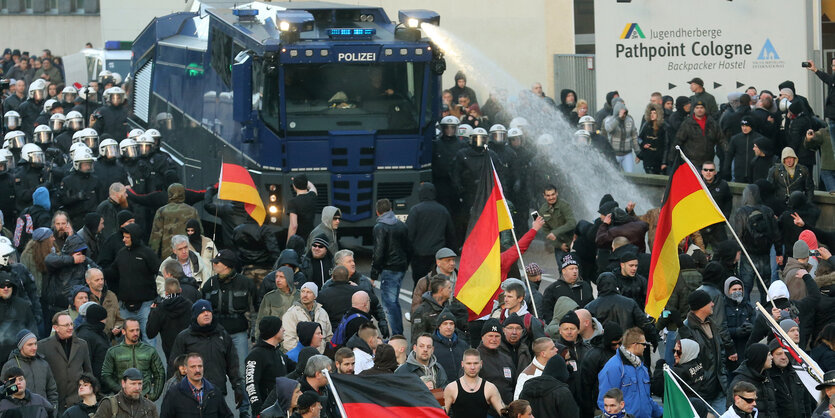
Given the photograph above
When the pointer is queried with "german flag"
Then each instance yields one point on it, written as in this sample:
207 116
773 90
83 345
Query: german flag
479 275
236 184
687 208
385 396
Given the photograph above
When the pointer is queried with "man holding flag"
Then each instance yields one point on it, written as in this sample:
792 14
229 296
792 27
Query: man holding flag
245 204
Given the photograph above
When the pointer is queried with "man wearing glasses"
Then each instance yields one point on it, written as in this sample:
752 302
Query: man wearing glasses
721 193
68 357
745 402
626 372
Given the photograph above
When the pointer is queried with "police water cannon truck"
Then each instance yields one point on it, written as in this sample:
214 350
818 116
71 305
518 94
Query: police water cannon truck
338 92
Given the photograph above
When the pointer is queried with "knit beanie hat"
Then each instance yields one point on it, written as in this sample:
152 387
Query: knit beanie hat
96 313
555 367
698 299
269 327
23 336
198 307
312 287
305 330
571 318
756 355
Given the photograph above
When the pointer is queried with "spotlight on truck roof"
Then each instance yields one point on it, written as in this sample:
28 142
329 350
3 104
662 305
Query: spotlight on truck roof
292 22
415 17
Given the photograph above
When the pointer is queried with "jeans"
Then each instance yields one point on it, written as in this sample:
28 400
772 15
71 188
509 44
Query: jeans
719 404
828 177
142 316
775 272
626 162
390 288
241 343
559 254
763 264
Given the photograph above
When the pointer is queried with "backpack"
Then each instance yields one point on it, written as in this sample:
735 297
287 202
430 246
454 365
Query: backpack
23 230
760 230
339 338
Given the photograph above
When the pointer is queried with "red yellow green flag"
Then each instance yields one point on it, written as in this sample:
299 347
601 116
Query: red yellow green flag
479 275
236 184
687 208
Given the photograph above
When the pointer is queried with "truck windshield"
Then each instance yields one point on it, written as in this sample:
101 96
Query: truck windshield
383 97
119 66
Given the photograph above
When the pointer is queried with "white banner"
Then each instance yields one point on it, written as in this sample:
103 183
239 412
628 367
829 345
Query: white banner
658 45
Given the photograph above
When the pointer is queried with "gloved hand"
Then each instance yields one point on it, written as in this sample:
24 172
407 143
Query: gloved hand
384 329
663 321
675 318
239 397
746 328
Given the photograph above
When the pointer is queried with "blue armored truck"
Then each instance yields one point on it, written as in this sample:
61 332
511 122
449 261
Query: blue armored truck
338 92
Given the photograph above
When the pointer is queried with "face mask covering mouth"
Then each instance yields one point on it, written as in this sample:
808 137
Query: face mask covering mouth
737 296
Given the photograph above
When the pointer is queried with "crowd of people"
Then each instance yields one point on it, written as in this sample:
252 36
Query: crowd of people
103 252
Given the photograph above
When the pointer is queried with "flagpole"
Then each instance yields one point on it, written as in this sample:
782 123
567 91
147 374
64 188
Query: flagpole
515 240
219 183
670 369
798 350
736 237
335 394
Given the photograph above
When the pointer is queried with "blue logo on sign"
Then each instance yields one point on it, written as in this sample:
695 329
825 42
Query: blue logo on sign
768 52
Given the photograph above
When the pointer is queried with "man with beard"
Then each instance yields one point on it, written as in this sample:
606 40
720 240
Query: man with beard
132 351
129 401
194 395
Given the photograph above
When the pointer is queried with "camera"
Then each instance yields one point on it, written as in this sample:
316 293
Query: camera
9 387
814 253
806 64
4 84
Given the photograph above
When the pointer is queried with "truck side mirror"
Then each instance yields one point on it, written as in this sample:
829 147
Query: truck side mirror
242 88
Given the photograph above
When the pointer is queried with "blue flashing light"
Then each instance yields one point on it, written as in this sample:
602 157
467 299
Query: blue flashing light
245 12
118 45
351 33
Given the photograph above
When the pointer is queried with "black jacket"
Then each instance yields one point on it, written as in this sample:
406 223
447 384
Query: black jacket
25 287
179 402
741 154
171 316
825 311
79 194
231 214
710 355
97 342
804 309
335 298
829 106
220 358
496 368
698 146
108 210
231 299
793 400
17 315
450 351
634 288
255 245
737 314
315 270
784 185
549 397
63 274
80 410
135 269
796 138
612 306
766 396
110 171
263 364
580 292
392 248
591 365
721 193
429 223
112 120
27 179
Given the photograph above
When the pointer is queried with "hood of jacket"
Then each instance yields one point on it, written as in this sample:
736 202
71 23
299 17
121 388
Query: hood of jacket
564 93
284 389
607 284
426 192
41 198
689 350
387 218
287 256
751 196
797 200
787 152
328 212
554 376
729 282
617 106
177 305
598 329
386 359
356 342
74 244
826 280
248 236
176 193
18 355
412 360
778 290
681 101
658 111
609 96
135 232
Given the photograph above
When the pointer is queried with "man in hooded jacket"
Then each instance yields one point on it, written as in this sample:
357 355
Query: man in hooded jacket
66 269
549 394
593 362
788 177
331 216
135 269
171 220
754 370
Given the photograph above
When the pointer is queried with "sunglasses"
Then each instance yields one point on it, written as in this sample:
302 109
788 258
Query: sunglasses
616 342
5 286
645 344
709 170
747 400
318 246
336 218
678 352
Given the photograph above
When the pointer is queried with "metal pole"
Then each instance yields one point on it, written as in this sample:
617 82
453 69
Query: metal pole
742 247
670 369
515 241
335 394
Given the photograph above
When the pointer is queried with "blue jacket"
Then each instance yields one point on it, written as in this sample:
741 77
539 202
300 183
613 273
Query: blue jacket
633 381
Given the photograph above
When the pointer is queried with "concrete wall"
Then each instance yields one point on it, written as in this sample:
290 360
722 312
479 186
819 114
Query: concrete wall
653 186
64 34
123 20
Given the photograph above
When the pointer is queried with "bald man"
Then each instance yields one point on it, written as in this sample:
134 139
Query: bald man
590 327
357 315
